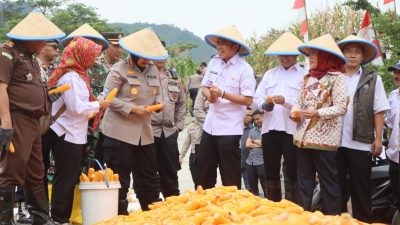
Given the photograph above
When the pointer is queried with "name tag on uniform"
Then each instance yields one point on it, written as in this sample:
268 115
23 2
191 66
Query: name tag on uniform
213 76
29 77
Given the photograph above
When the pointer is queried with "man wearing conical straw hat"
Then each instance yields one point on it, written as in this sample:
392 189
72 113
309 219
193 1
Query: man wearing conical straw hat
23 100
126 125
362 126
318 113
276 94
229 86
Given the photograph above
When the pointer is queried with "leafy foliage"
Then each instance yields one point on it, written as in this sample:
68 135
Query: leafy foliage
76 14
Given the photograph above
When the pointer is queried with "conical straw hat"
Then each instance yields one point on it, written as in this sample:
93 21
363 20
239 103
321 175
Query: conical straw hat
35 27
144 44
231 34
369 49
86 31
286 44
324 43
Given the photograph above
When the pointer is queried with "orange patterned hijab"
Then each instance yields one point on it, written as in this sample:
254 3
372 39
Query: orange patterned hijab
78 56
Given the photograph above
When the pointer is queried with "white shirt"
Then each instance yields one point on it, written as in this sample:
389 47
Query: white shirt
237 77
74 121
393 121
380 104
279 81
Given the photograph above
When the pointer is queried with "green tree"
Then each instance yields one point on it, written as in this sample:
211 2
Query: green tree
76 14
387 28
46 6
11 12
179 59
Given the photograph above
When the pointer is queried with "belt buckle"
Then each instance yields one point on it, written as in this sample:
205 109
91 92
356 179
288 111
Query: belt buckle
193 151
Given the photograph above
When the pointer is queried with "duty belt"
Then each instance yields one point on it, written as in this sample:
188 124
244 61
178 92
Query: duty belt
32 114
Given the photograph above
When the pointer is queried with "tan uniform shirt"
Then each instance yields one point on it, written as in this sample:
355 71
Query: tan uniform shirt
135 88
172 118
21 72
101 60
195 81
192 139
201 105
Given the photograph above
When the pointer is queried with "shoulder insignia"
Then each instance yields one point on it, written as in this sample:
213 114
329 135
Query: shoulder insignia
7 55
10 44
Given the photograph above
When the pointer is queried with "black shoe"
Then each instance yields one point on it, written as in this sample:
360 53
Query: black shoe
7 196
39 206
23 214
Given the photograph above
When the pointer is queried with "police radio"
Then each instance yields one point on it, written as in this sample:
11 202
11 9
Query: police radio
174 74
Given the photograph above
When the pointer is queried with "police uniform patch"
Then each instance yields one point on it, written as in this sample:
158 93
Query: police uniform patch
7 55
134 91
154 91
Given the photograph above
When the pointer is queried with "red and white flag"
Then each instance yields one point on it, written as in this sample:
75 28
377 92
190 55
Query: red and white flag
389 5
299 6
368 33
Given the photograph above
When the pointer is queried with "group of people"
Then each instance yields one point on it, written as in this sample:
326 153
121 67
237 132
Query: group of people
327 121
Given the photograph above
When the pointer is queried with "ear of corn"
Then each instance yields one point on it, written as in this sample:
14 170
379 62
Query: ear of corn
60 89
153 108
112 94
98 176
11 148
226 205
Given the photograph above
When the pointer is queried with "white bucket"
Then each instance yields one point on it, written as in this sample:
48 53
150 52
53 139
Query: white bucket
99 202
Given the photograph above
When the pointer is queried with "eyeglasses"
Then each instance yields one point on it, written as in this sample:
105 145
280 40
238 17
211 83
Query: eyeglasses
55 47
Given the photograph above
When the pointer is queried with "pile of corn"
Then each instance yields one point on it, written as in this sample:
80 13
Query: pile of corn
226 205
99 176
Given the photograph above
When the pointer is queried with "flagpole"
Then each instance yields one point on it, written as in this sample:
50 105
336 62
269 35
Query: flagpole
305 12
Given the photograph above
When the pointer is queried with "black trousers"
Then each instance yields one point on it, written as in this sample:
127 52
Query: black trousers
394 174
356 165
67 157
168 163
222 152
323 162
275 144
256 174
192 166
193 94
124 159
99 151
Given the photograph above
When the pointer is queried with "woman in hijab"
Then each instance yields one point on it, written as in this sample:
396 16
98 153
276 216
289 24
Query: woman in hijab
69 130
318 112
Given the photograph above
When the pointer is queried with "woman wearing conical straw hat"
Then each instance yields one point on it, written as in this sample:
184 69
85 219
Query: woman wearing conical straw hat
276 94
126 125
318 113
23 100
229 86
362 126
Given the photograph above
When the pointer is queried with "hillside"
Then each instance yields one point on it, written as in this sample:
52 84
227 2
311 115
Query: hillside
171 35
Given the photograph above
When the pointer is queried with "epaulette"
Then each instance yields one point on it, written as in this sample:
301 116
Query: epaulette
10 44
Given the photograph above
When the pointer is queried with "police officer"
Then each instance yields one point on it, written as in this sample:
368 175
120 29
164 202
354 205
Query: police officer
126 124
113 53
23 100
106 60
166 127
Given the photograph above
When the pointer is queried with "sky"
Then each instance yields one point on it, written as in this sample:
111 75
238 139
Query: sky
252 17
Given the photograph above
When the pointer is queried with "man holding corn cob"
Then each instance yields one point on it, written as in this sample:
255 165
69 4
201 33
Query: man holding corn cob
166 127
275 95
229 85
23 100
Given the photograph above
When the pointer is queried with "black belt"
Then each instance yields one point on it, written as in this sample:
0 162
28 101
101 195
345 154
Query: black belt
32 114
